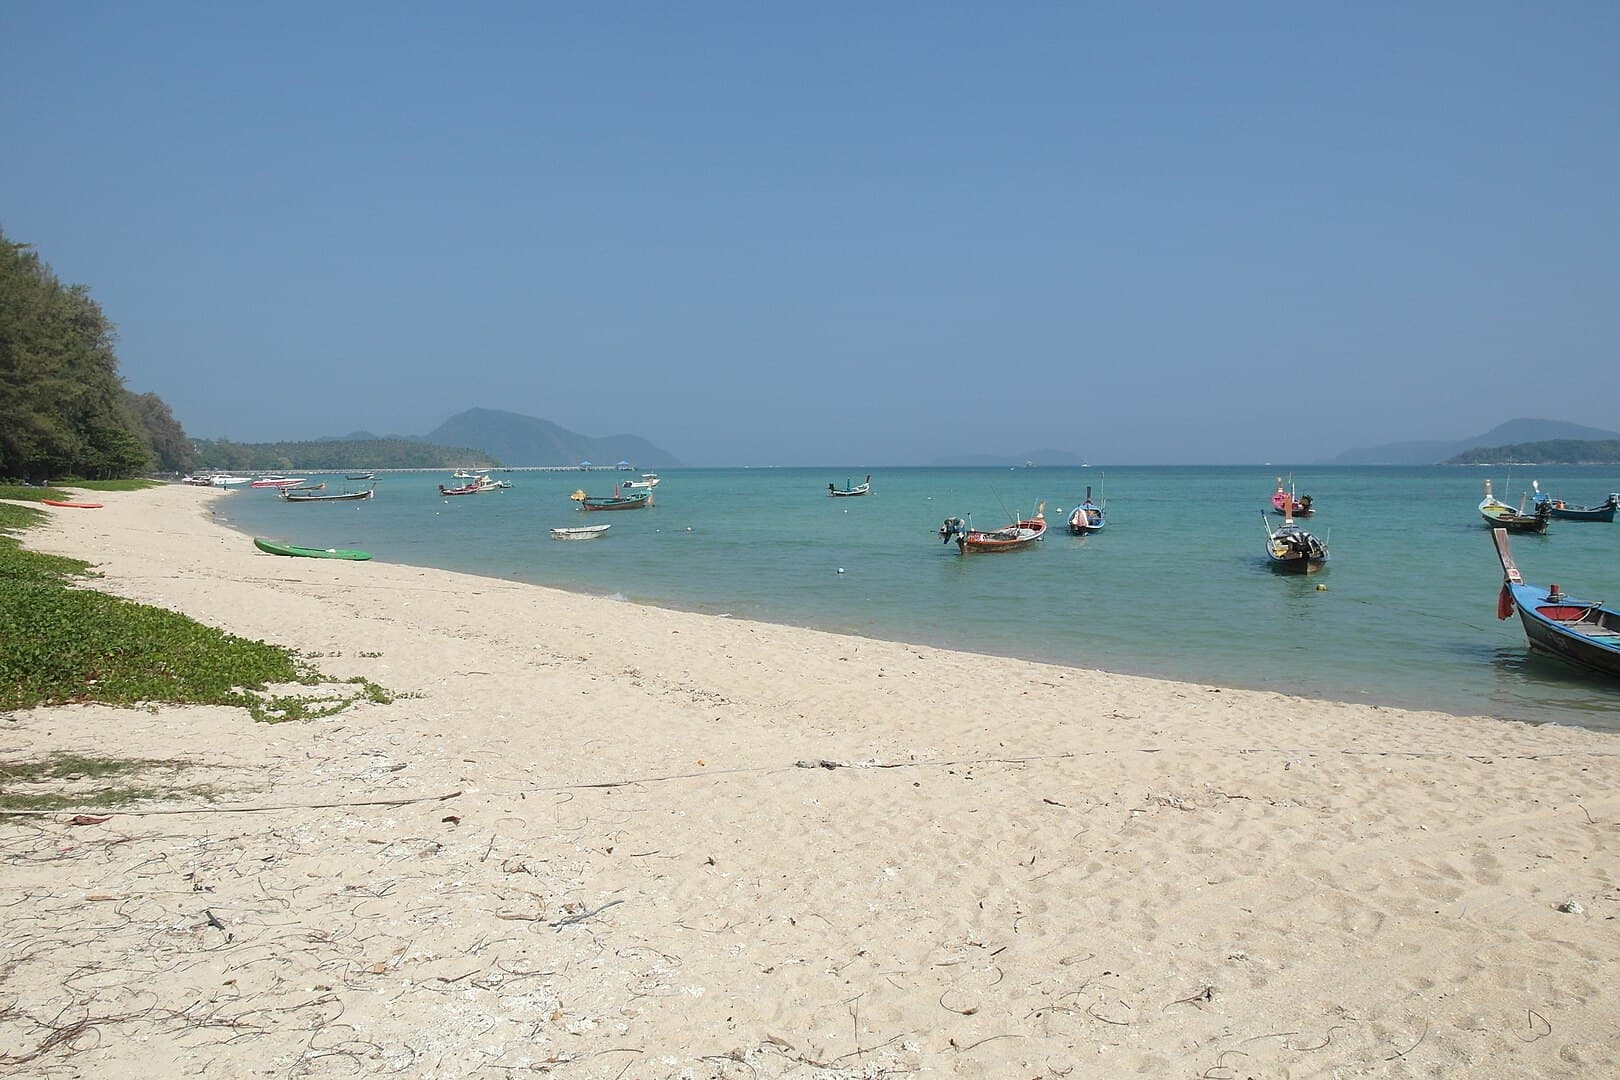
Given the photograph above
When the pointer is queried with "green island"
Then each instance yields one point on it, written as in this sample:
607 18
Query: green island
1546 452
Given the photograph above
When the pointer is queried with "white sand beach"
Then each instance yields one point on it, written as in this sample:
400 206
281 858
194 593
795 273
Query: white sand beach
597 839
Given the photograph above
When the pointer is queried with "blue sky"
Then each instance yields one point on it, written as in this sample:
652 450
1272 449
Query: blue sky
833 233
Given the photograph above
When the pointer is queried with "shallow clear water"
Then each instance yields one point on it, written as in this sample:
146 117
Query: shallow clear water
1177 586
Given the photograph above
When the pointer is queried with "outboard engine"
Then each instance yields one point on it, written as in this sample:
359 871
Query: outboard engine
949 530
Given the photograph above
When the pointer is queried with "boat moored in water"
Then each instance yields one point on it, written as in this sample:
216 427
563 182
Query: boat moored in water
634 500
850 490
582 532
299 495
1583 632
1499 515
278 481
1088 517
1020 534
1564 512
1284 501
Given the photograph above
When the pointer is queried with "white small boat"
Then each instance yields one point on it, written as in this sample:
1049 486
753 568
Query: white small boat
582 532
649 480
227 480
277 482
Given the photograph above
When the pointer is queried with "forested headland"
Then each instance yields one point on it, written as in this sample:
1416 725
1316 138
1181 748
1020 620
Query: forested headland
1548 452
64 410
337 454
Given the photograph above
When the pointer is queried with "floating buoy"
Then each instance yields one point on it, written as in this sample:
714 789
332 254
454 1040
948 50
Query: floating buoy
1321 588
840 569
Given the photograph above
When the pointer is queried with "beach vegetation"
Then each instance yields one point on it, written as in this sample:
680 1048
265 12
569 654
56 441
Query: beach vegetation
62 644
65 781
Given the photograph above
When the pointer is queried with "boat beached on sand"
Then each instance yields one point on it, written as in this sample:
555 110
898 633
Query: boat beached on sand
1020 534
1583 632
275 547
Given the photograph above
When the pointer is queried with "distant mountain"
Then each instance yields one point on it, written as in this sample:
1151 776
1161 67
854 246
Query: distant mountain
1433 452
1548 452
1044 456
527 440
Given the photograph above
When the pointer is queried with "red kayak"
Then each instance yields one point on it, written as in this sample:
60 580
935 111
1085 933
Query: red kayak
75 505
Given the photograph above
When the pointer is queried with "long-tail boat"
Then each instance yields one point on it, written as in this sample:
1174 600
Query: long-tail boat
1581 631
1564 512
344 496
633 500
1020 534
1291 549
1499 515
1284 501
1088 517
849 490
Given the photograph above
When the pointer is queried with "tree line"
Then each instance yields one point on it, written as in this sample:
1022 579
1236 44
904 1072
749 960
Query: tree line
64 410
1546 452
337 454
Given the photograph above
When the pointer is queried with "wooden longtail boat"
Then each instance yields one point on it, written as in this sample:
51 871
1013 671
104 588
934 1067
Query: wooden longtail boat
1088 517
850 490
1293 550
635 500
1581 631
277 482
362 476
1020 534
1284 501
346 496
1499 515
273 547
74 505
1564 512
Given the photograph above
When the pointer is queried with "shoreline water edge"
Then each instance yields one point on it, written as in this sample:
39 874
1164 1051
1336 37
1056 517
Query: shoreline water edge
601 839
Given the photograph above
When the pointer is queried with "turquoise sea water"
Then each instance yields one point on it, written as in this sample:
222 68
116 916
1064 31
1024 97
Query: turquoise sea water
1177 586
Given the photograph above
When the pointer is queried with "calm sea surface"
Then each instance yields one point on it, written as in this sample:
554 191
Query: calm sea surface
1177 586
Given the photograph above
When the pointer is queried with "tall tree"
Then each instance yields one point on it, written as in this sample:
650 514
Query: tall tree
164 437
63 408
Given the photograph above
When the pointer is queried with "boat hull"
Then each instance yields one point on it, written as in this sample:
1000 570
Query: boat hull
1549 635
593 505
1014 537
272 547
587 532
1513 521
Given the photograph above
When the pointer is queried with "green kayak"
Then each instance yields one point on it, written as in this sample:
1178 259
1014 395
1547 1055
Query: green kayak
309 553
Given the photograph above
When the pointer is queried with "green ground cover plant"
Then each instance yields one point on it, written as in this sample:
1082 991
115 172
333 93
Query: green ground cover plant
61 644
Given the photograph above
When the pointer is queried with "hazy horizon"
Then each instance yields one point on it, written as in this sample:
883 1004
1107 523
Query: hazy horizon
1148 235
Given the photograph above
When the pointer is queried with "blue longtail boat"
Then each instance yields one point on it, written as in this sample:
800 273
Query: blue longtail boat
1584 632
